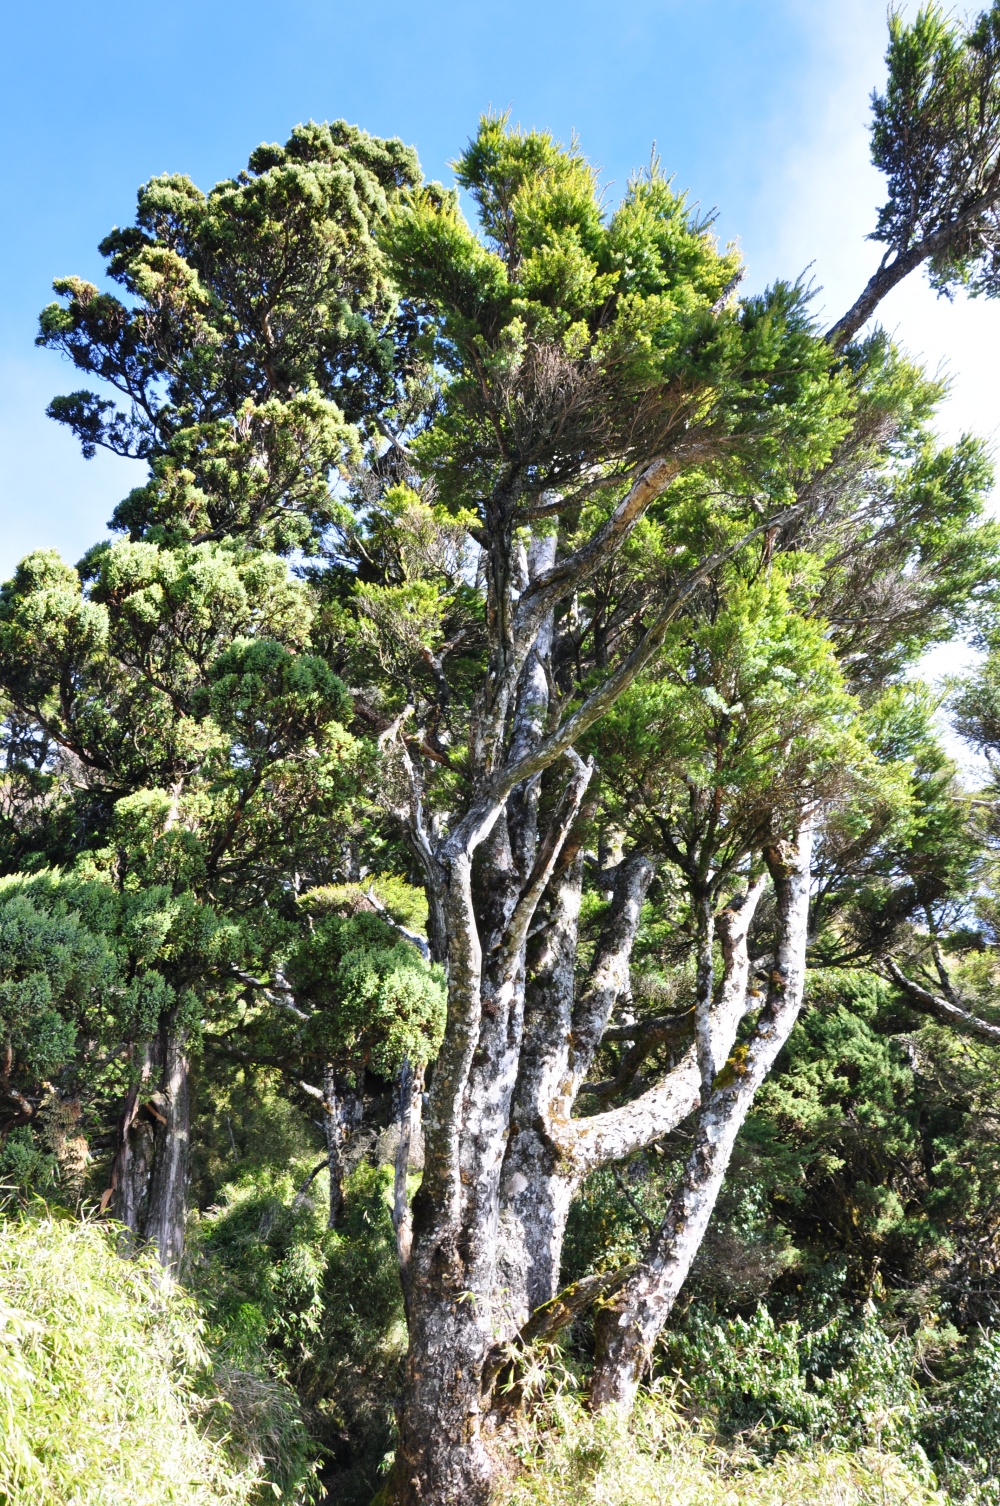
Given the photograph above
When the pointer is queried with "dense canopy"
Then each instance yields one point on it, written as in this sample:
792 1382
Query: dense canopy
485 898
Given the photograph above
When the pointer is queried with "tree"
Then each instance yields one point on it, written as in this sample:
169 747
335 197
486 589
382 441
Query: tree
936 136
614 564
164 717
258 331
532 432
193 733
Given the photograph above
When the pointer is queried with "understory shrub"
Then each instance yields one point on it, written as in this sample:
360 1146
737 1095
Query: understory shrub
107 1391
318 1308
778 1386
965 1431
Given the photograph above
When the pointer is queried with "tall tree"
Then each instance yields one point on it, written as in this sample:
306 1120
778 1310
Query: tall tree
163 685
597 392
202 759
588 492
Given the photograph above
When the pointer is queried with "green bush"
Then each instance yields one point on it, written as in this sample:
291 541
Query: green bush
778 1386
107 1393
965 1433
321 1309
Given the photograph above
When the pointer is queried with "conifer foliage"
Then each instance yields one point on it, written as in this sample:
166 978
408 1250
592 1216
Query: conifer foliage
485 733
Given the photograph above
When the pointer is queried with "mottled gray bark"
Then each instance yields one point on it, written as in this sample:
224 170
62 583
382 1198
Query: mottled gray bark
167 1213
489 876
629 1324
483 898
535 1190
562 1034
550 1153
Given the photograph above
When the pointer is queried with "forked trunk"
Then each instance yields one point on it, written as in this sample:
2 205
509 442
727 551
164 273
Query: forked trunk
538 1182
489 876
630 1323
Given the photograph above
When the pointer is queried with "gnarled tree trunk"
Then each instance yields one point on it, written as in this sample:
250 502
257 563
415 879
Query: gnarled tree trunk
545 1164
629 1324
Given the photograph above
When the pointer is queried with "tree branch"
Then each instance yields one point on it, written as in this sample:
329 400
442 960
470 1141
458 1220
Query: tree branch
942 1009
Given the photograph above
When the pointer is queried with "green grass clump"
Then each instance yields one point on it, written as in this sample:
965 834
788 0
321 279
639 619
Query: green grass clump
104 1381
566 1457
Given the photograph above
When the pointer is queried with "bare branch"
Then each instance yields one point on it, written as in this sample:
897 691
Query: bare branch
942 1009
886 277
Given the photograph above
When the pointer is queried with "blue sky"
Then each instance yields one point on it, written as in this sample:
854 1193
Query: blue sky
758 106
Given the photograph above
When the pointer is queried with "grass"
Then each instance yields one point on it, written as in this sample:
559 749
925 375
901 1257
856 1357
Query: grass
566 1457
104 1380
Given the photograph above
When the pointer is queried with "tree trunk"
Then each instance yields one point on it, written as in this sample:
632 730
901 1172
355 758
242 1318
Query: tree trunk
341 1112
411 1087
151 1169
489 875
630 1323
167 1214
544 1165
538 1183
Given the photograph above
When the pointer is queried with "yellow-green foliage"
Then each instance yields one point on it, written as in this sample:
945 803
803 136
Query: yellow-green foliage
99 1361
574 1459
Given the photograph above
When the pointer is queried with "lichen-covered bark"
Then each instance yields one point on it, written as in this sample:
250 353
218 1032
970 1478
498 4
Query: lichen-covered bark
486 876
628 1325
562 1033
537 1184
490 874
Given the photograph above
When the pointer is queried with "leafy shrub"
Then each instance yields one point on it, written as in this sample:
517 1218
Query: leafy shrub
319 1308
965 1434
847 1384
107 1396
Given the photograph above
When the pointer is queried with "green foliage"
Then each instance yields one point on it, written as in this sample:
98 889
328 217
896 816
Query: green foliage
568 1456
623 314
376 998
84 962
107 1390
245 369
206 761
935 135
847 1385
965 1433
321 1308
744 716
